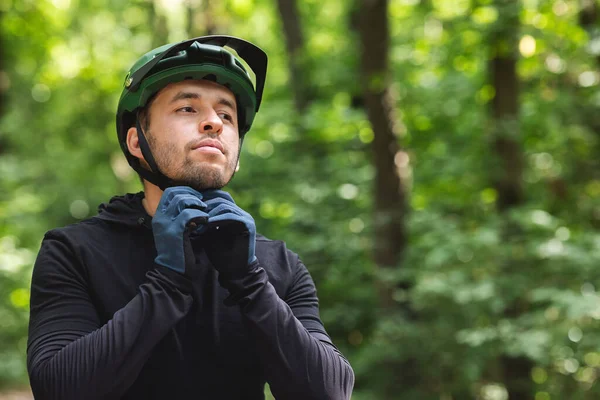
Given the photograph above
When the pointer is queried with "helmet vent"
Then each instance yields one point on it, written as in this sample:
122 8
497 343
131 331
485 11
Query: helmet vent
210 77
178 54
239 64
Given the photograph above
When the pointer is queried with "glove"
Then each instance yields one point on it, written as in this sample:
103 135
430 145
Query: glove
179 213
230 236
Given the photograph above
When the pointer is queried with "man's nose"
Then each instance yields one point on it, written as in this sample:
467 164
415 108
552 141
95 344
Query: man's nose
211 123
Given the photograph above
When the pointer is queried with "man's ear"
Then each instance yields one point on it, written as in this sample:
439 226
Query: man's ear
133 143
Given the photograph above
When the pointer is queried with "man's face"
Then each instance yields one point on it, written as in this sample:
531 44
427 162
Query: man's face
193 133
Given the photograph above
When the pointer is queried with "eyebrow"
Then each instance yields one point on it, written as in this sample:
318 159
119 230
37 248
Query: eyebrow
194 95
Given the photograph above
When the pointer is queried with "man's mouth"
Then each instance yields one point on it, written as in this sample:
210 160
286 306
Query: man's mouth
209 146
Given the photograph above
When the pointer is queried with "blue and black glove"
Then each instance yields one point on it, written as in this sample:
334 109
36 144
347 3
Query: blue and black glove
230 236
179 213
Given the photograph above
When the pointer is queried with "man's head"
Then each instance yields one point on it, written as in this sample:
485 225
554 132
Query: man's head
192 129
185 109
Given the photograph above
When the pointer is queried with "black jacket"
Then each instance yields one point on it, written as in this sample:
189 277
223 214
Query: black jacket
108 323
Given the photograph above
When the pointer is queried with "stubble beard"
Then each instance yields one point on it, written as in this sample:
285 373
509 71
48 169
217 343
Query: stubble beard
197 175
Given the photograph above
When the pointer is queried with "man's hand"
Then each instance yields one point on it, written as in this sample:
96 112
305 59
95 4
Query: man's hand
230 236
179 212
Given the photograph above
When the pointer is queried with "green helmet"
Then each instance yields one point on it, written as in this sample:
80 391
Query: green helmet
198 58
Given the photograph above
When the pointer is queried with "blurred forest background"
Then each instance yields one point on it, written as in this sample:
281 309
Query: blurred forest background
434 163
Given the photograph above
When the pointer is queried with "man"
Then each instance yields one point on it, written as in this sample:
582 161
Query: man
170 293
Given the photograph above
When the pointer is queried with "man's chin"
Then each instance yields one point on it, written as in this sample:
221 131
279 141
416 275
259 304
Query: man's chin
200 185
205 181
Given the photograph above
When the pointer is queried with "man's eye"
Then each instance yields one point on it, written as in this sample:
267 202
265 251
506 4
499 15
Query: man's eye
226 116
186 109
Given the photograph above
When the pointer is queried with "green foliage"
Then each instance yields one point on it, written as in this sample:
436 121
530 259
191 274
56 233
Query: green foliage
466 276
482 284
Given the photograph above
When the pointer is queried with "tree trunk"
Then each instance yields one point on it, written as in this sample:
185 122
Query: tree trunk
294 43
200 18
160 30
390 197
588 19
190 11
3 88
210 22
505 109
507 178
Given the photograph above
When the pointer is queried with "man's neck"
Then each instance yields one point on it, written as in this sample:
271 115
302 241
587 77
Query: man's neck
152 195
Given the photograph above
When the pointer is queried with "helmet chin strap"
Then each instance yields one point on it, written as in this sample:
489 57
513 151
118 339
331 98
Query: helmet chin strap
154 176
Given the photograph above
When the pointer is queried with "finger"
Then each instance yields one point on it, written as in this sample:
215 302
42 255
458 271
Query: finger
226 217
183 201
214 203
222 209
213 194
171 192
190 202
218 200
197 225
190 215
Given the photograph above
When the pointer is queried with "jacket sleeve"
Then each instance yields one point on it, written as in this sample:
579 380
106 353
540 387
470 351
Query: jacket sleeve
298 356
71 354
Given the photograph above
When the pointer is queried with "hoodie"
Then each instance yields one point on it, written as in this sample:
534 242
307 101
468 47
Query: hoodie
107 322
